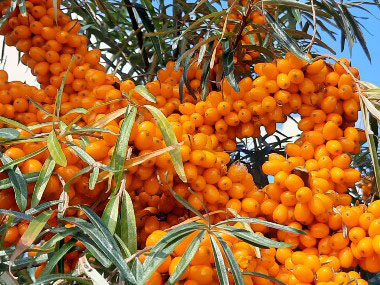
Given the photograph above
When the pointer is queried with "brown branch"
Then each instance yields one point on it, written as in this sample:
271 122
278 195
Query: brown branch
139 34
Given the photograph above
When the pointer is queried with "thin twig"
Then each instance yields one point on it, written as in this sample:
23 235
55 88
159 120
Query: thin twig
314 26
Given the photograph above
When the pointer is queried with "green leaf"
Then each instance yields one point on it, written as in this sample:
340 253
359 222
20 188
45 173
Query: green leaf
170 139
22 7
42 181
94 249
55 149
121 147
58 100
111 213
253 238
18 183
10 10
284 39
185 80
206 73
8 134
150 28
296 4
228 65
128 223
58 255
83 155
93 178
67 185
15 124
166 246
219 262
31 233
104 240
16 214
261 222
47 279
29 178
60 236
187 257
187 205
77 111
262 275
235 268
12 163
357 31
145 93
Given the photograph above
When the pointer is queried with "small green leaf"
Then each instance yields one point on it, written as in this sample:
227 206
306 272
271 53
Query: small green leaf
206 73
94 249
219 262
104 240
262 222
29 178
121 147
111 213
170 139
55 149
166 246
58 255
31 233
18 183
284 39
8 134
187 257
235 268
93 178
145 93
150 28
15 124
254 239
228 65
128 223
22 7
76 175
186 204
42 181
16 214
58 100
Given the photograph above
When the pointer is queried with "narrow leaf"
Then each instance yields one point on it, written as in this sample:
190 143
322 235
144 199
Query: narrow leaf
15 124
55 149
31 233
58 255
121 147
111 213
145 93
42 181
235 268
187 257
128 223
18 183
8 134
170 139
228 65
284 39
219 262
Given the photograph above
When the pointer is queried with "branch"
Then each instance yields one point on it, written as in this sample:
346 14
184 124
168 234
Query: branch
138 32
315 27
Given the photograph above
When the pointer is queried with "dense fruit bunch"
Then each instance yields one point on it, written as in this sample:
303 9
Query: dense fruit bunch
310 185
